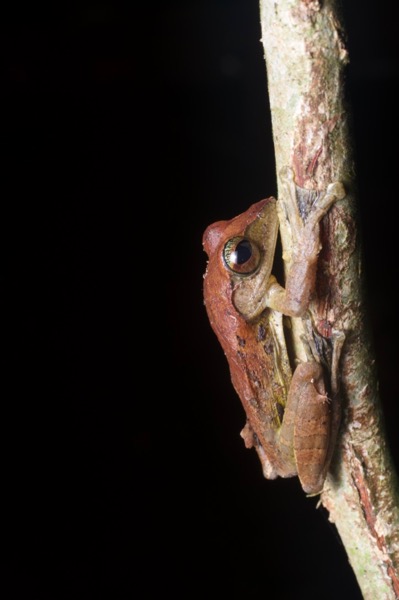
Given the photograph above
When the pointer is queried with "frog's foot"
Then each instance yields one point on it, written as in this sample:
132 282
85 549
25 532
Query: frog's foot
304 209
289 208
320 201
251 440
335 191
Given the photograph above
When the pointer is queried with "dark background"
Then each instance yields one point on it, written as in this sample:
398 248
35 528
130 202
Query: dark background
126 131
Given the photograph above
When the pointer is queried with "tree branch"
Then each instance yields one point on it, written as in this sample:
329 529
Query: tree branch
305 60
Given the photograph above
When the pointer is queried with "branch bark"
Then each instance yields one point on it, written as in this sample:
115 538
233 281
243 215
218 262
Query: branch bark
305 60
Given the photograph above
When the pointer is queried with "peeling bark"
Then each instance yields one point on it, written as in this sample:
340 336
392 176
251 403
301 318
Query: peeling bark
305 59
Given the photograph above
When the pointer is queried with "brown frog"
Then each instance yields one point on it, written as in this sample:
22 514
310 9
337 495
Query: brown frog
289 415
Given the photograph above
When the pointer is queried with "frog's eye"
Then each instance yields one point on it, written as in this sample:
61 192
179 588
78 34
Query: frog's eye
241 255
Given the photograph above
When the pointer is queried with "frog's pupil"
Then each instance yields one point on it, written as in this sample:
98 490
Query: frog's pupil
243 252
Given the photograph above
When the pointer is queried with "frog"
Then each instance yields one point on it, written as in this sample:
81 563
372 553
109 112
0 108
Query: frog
290 417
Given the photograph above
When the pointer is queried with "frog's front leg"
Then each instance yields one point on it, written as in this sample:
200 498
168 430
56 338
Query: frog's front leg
293 300
305 434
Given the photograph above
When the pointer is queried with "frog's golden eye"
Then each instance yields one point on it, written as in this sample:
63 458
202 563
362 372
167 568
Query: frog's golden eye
241 255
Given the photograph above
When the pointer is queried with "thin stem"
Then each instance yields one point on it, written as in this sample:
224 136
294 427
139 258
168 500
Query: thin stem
305 59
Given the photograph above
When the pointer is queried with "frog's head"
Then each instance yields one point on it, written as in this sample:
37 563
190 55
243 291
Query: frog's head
241 253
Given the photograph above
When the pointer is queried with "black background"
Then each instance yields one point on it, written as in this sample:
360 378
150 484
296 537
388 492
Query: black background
127 130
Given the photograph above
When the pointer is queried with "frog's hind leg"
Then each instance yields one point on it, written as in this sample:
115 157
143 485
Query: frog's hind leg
306 427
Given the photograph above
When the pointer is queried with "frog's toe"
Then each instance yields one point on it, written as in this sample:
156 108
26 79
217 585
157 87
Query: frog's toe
336 189
286 174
